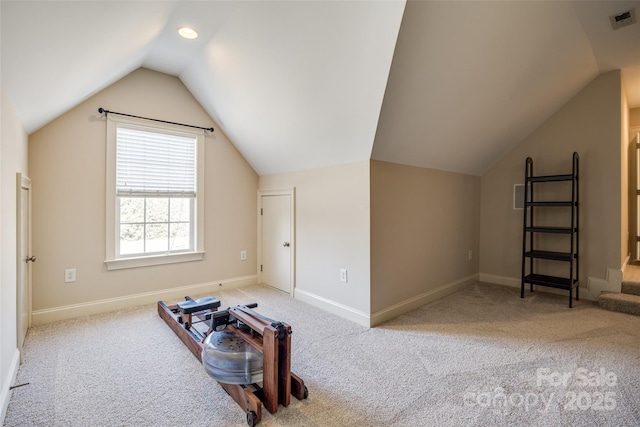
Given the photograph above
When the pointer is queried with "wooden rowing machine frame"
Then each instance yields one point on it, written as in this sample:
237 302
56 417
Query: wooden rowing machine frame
272 339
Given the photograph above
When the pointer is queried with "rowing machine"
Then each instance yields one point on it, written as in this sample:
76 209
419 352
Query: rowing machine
233 345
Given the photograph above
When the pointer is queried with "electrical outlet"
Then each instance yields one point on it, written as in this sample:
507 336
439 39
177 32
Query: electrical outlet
243 255
343 275
70 275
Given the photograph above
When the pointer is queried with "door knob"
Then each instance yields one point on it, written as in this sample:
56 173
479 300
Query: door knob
31 258
285 244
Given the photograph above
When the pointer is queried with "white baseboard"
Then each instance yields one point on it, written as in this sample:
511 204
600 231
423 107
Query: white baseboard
388 313
500 280
5 394
101 306
515 282
420 300
333 307
614 279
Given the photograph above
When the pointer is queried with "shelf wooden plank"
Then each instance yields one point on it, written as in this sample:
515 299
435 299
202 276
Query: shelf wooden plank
556 256
550 178
557 230
550 281
550 203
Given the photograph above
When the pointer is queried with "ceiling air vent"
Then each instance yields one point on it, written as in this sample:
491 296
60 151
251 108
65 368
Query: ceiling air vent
623 19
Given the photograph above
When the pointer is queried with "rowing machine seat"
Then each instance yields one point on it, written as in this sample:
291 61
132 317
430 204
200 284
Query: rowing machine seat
200 304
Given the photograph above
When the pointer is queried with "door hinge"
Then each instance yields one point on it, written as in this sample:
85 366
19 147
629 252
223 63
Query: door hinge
260 267
260 211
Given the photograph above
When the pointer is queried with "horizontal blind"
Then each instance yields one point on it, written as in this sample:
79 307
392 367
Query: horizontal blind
155 163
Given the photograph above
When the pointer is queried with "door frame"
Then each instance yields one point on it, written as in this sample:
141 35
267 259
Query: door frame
291 192
23 182
633 185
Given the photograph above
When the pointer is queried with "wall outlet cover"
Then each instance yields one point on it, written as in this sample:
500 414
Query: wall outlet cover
70 275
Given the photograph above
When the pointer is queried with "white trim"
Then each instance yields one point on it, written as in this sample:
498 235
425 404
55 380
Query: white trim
614 280
371 320
100 306
119 264
422 299
586 287
110 190
500 280
333 307
24 183
291 192
5 394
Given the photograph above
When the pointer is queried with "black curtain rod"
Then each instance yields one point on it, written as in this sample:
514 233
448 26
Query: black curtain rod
105 112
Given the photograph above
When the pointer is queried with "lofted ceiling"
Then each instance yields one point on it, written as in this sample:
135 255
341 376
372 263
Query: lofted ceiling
470 80
299 85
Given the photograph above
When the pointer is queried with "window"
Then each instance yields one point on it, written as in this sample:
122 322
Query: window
154 194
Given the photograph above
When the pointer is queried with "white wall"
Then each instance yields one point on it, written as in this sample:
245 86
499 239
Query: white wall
67 160
13 155
332 232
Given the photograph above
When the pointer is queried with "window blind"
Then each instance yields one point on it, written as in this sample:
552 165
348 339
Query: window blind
153 163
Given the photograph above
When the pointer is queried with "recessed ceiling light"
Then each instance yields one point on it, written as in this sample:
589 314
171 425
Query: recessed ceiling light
187 33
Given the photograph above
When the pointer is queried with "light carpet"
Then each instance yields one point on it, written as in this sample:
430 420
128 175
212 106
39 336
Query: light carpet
479 357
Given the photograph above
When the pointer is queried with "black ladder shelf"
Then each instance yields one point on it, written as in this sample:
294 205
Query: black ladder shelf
530 229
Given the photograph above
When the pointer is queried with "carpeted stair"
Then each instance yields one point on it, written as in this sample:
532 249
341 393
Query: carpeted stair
628 300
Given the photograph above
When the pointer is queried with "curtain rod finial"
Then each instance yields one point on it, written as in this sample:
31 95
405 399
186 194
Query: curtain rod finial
101 110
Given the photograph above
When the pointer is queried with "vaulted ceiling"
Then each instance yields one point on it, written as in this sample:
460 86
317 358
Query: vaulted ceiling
470 80
298 85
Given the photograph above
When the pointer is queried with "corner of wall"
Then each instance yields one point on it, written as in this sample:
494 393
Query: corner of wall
333 307
396 310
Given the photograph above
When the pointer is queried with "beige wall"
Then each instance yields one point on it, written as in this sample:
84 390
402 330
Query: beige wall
424 222
67 158
332 232
13 160
634 117
590 124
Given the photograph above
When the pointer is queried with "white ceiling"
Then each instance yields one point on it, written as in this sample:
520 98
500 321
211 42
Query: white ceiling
298 85
470 80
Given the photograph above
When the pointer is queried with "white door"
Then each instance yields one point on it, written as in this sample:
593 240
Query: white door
277 245
25 259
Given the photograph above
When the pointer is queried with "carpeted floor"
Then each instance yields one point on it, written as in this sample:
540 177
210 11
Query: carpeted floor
632 272
479 357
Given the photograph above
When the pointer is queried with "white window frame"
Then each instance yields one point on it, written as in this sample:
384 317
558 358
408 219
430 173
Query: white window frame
112 239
